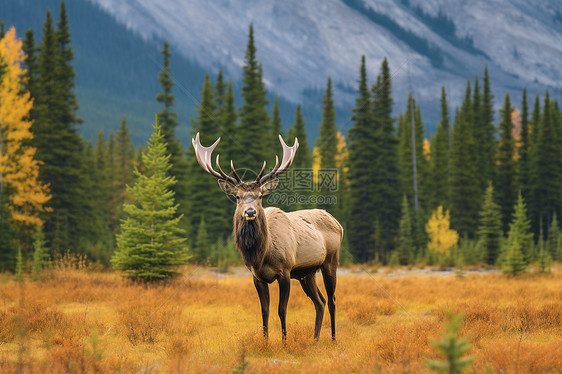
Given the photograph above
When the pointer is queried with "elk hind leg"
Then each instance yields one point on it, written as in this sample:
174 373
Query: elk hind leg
310 287
329 274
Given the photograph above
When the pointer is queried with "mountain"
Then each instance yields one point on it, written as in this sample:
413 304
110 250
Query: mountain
429 44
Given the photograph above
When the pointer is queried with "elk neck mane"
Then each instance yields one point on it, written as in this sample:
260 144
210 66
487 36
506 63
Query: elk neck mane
251 238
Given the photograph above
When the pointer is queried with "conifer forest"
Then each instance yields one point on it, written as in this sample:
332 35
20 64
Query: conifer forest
120 257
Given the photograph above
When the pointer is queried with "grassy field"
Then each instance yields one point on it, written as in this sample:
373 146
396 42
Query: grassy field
87 321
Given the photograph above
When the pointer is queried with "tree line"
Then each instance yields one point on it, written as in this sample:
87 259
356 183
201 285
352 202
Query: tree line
458 197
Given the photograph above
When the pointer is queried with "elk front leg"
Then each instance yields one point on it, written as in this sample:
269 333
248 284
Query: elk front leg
284 290
263 293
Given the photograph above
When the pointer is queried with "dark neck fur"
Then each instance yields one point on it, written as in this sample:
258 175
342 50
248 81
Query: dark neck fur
251 238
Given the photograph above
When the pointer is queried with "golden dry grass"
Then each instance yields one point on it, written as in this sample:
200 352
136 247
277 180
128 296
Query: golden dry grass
84 321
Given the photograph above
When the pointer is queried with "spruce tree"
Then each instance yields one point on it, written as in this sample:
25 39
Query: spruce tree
65 71
202 247
404 244
303 159
489 229
486 133
327 143
506 190
29 48
523 167
205 198
451 348
150 243
519 244
277 126
385 195
58 144
405 153
167 119
440 159
546 175
226 117
253 135
555 239
122 174
465 189
535 123
301 169
362 150
40 253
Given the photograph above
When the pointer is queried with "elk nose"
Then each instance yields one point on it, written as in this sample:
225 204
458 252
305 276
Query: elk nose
250 213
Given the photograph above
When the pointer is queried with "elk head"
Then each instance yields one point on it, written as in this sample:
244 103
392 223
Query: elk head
248 194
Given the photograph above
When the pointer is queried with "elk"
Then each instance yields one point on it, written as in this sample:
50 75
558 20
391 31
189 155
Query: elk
279 246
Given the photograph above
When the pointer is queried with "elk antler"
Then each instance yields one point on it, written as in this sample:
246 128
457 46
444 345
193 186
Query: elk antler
288 156
203 155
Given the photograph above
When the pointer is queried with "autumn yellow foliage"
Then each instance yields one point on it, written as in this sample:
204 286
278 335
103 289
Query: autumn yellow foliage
79 320
441 236
18 167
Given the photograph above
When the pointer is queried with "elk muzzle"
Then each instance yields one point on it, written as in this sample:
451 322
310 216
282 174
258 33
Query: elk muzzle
250 214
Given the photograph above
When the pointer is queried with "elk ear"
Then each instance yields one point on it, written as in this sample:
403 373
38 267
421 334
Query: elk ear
227 187
269 186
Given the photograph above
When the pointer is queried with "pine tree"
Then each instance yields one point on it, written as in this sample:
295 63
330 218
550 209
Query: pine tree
405 153
327 141
40 253
301 169
59 146
546 176
524 148
226 116
440 159
451 348
362 149
303 159
489 230
122 175
167 119
543 256
465 190
327 144
277 126
485 135
64 71
535 123
150 243
29 48
405 245
555 239
253 139
506 190
102 196
384 164
202 248
205 198
519 245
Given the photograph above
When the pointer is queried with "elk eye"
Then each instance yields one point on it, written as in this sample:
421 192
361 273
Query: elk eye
237 197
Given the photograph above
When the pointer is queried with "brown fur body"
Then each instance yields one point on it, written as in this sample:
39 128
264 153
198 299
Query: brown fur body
275 241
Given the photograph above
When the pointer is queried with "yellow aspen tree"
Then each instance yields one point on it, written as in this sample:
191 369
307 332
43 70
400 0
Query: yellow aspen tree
441 236
19 170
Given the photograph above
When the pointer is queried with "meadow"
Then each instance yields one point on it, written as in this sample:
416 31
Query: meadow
77 319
